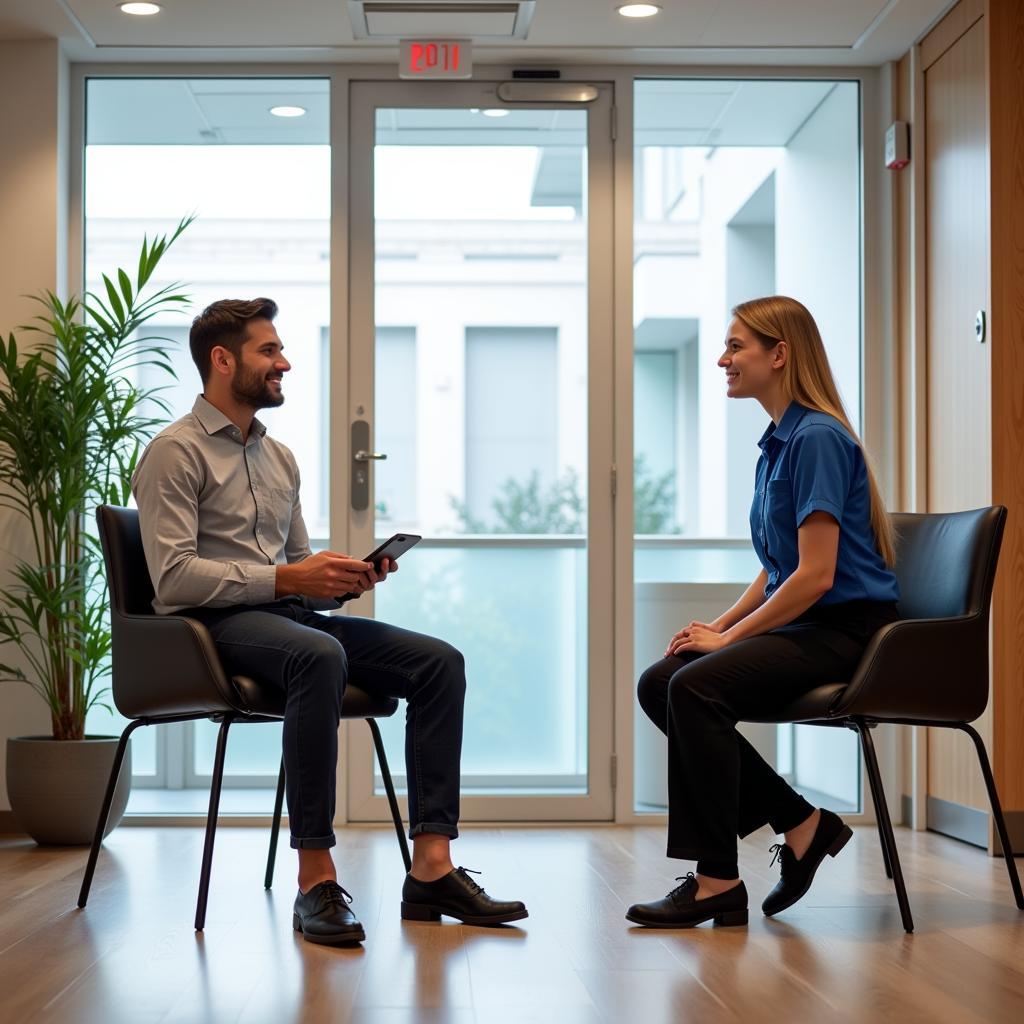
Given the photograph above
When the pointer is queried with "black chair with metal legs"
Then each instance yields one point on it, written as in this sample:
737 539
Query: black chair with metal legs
166 669
929 668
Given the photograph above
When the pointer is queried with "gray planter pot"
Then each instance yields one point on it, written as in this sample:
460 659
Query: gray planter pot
56 787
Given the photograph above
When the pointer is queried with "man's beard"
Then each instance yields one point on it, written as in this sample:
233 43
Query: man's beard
253 389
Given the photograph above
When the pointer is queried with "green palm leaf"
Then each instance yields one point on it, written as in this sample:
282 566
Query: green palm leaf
71 423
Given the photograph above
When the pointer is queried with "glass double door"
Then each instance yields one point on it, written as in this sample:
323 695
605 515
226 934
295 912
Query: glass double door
479 396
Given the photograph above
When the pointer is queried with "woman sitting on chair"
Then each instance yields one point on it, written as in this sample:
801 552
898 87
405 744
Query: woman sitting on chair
824 540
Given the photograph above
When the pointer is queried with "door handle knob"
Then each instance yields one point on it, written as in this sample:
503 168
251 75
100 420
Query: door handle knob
361 455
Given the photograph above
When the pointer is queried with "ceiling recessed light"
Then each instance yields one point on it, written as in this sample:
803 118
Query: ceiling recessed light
286 111
140 9
639 10
494 113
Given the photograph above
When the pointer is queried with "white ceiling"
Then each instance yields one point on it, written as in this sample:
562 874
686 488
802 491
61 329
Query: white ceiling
722 112
205 111
236 111
752 32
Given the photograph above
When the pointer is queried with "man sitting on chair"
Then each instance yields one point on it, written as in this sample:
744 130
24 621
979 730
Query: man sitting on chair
225 542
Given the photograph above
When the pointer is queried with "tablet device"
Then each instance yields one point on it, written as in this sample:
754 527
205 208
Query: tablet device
392 548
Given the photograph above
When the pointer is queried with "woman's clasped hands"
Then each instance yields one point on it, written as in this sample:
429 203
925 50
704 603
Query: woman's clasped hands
698 637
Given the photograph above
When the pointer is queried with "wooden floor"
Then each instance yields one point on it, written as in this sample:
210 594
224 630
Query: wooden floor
840 954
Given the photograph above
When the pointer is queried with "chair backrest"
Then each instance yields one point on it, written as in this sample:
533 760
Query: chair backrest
131 590
160 665
946 561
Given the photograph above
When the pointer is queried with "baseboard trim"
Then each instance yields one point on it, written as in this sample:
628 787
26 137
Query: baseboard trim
906 810
971 825
967 824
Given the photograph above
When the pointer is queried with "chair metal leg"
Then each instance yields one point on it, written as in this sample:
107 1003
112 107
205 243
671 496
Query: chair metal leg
108 799
881 843
884 822
997 813
275 828
389 788
211 820
876 799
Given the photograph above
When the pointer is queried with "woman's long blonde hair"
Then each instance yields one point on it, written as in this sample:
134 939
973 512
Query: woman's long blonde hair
807 379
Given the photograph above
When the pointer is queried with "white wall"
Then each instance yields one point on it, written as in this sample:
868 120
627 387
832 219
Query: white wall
816 195
33 190
731 177
750 273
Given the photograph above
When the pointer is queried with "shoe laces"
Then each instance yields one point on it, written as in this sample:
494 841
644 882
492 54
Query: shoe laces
475 889
776 851
334 893
689 881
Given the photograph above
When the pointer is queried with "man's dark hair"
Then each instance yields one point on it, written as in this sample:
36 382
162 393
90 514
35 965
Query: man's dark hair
225 323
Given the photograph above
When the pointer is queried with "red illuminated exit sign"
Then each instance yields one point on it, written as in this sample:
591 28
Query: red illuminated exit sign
435 58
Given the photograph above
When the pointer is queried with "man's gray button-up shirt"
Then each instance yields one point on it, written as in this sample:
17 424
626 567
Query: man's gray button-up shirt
217 516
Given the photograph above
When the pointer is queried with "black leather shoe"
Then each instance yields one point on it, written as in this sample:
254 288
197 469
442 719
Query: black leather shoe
322 915
681 908
796 876
458 896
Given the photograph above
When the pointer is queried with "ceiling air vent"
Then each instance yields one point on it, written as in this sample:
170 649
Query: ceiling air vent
449 19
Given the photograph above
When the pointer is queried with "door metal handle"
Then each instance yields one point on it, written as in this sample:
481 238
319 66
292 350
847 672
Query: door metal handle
360 477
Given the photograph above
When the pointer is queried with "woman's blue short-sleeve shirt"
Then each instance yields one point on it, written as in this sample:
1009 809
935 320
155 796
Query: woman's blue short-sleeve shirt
809 463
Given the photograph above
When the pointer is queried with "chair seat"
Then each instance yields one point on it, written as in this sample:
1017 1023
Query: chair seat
260 699
813 706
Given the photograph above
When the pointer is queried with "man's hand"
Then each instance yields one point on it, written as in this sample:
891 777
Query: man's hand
375 575
325 574
688 633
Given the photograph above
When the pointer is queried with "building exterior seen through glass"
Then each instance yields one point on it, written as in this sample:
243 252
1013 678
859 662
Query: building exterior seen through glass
742 188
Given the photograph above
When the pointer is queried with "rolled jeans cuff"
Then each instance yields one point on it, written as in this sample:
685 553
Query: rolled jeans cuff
316 843
435 829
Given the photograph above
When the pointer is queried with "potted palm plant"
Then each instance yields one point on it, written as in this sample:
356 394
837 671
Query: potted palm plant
72 419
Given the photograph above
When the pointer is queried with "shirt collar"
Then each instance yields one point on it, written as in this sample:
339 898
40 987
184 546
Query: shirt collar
215 422
780 432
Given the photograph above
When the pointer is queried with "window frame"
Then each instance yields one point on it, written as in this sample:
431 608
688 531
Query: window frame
879 357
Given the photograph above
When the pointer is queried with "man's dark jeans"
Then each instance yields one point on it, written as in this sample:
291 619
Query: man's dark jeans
311 657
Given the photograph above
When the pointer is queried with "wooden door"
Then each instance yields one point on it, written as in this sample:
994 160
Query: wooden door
958 365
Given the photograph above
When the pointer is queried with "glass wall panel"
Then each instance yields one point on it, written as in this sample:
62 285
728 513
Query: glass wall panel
160 149
395 479
743 188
